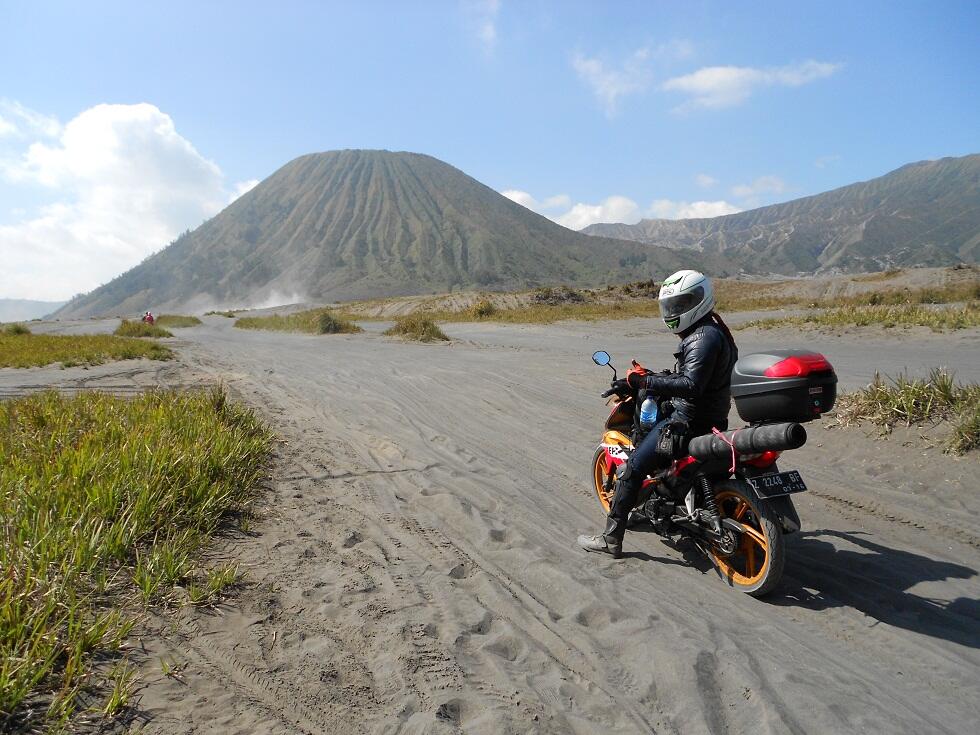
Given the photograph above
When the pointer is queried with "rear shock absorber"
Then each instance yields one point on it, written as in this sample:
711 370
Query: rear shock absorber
710 504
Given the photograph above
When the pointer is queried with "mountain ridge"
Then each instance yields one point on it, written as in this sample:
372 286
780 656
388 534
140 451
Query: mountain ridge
925 213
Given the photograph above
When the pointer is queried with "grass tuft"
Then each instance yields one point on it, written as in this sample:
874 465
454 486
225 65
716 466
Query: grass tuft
313 321
14 330
140 329
907 315
103 499
907 402
417 327
484 309
34 350
229 314
177 321
213 583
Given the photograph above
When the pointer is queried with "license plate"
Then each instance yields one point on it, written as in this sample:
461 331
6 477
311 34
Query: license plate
783 483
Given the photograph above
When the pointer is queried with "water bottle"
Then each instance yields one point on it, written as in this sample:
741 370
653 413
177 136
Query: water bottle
648 413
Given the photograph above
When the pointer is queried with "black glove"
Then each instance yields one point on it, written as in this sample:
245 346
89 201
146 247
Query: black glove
619 387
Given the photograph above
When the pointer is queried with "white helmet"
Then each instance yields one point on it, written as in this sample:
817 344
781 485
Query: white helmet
685 298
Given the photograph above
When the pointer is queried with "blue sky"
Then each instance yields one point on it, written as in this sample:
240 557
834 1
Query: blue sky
583 111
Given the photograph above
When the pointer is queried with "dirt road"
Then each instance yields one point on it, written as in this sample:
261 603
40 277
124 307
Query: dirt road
417 570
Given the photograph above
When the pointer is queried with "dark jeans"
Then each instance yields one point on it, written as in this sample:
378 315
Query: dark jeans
644 461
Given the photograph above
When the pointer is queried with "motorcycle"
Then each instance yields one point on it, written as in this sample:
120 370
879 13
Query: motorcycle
724 491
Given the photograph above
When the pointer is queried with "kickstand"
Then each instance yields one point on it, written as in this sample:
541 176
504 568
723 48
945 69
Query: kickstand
701 547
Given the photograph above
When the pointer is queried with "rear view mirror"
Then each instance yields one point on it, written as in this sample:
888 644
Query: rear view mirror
601 358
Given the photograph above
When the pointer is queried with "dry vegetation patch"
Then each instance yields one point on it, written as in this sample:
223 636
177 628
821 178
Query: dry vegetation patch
417 327
908 402
13 330
177 321
127 328
905 315
105 503
35 350
313 321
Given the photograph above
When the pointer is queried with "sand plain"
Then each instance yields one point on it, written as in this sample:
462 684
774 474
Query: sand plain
416 569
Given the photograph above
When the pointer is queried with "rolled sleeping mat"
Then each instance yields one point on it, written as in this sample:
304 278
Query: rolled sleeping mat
750 440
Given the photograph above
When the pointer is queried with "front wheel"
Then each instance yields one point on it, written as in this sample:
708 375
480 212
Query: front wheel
603 481
756 565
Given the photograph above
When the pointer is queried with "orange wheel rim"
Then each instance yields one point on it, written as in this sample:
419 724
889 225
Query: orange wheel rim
750 561
601 477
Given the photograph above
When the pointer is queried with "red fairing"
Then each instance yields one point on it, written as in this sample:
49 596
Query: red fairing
612 461
799 366
681 464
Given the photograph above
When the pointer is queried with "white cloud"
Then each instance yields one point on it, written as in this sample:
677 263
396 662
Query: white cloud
242 187
482 16
668 209
611 209
559 209
616 208
559 201
676 49
609 84
6 127
705 181
715 87
122 184
825 161
26 122
762 185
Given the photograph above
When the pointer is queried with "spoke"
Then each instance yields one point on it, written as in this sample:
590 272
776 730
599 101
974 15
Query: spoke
750 561
751 533
740 511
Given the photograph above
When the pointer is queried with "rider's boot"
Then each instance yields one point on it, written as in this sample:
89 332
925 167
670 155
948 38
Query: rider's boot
624 498
609 541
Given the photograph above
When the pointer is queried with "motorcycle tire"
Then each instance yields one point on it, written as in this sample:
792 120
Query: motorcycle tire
603 483
757 564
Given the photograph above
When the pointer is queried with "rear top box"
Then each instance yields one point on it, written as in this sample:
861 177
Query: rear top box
783 385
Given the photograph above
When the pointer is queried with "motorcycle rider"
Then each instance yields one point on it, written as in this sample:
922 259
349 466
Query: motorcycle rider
699 388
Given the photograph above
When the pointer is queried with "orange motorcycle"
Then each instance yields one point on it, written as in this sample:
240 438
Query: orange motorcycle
723 490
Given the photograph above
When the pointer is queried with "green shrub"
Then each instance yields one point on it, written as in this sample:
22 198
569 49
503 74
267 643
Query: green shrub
101 498
313 321
327 323
177 321
140 329
908 402
14 329
483 310
32 350
417 327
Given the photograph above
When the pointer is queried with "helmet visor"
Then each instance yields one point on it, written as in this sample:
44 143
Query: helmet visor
673 306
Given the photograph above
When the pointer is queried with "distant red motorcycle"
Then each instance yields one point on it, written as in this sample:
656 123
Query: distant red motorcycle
148 318
727 494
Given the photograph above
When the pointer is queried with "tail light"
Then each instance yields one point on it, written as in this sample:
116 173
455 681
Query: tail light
798 366
761 461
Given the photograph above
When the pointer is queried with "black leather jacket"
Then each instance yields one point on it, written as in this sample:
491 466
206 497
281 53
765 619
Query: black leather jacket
700 385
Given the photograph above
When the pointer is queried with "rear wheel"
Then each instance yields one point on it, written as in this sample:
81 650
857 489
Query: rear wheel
603 481
756 565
